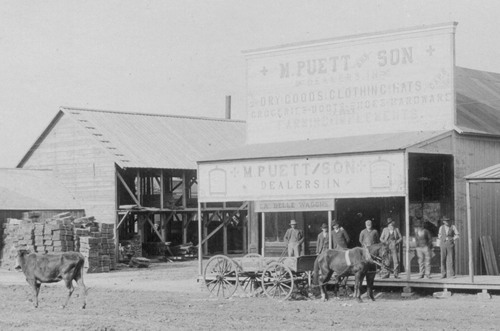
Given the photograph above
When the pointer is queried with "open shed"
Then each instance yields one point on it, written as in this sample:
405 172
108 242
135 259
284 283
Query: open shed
138 171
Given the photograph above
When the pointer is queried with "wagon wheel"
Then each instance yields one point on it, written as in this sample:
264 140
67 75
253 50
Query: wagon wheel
251 266
221 276
277 281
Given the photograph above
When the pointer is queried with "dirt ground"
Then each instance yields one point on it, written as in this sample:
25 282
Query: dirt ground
167 296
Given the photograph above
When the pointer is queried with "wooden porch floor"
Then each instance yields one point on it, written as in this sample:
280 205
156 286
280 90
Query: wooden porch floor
461 282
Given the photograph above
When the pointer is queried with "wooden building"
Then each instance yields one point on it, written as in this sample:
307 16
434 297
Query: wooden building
137 171
363 127
36 191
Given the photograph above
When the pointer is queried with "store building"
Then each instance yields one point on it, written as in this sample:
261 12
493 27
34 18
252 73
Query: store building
363 127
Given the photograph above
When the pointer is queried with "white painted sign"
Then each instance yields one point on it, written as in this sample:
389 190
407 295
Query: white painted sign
294 205
393 82
303 178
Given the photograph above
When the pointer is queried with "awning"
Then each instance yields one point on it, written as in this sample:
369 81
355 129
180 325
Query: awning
332 146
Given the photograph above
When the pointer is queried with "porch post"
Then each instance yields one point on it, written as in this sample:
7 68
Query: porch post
200 246
263 234
469 230
330 229
407 218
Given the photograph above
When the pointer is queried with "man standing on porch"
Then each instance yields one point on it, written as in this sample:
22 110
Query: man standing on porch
423 249
368 236
340 237
293 239
322 242
447 235
393 238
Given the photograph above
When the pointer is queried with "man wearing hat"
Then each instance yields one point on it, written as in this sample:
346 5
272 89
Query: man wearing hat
424 249
447 235
293 239
322 242
369 235
340 238
392 237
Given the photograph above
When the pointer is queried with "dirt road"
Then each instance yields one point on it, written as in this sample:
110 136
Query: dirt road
168 297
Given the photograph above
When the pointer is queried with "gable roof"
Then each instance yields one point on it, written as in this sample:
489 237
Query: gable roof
477 101
137 140
23 189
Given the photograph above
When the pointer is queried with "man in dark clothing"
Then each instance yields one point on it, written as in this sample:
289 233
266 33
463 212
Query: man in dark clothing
322 242
424 250
340 238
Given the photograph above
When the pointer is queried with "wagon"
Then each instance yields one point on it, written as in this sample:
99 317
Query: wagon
278 278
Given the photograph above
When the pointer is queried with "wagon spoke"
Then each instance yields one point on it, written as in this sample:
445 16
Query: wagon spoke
277 281
221 276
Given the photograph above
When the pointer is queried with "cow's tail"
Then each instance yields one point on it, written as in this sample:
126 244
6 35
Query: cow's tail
80 271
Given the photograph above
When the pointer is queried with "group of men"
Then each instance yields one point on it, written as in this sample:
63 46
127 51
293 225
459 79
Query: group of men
391 236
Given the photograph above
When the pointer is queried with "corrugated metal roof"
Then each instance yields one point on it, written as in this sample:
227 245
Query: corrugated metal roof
137 140
492 172
344 145
478 101
22 189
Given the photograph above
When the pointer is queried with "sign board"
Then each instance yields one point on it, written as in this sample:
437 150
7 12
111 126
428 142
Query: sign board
382 83
294 205
303 178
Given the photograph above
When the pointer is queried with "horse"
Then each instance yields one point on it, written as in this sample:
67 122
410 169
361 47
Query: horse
358 261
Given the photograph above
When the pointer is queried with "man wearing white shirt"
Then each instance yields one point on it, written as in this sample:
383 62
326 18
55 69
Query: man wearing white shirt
447 235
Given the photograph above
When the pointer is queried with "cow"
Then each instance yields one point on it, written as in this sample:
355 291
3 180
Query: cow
52 268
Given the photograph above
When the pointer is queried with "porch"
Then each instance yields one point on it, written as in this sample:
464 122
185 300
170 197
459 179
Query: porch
460 282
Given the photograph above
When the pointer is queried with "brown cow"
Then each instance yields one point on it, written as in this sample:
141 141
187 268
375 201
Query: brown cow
51 268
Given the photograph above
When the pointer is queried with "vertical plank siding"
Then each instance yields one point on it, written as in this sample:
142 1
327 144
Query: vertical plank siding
485 217
82 165
473 154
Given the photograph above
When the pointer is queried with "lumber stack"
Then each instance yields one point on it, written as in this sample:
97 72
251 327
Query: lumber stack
489 256
136 246
61 233
18 234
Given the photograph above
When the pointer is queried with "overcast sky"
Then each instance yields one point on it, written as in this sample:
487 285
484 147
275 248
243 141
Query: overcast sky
182 57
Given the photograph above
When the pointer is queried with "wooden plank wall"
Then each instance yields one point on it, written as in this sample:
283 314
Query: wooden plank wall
82 164
485 216
473 154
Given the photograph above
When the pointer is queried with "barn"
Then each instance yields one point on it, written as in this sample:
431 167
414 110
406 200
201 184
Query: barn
372 126
138 171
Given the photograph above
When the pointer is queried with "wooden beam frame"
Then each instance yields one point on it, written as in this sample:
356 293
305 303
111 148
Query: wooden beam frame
132 195
154 228
123 218
243 206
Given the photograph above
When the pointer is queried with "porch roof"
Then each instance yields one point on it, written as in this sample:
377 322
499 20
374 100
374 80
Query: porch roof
331 146
489 173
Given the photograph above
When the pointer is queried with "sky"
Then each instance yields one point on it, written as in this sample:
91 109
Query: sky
183 57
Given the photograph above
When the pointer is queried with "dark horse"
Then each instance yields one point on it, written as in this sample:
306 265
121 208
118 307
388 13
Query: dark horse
358 261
